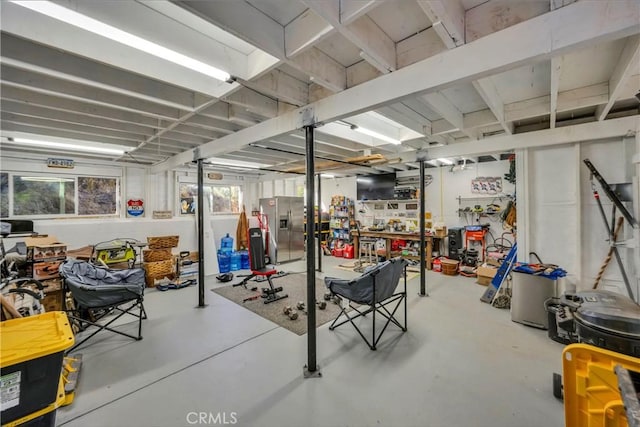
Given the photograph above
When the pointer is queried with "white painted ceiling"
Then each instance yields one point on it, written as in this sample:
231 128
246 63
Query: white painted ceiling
64 82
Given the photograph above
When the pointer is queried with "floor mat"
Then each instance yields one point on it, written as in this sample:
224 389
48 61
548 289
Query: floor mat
295 286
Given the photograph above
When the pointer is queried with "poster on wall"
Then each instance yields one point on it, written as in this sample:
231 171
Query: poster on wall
135 207
486 185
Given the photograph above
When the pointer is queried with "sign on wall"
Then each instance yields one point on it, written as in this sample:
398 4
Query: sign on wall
60 163
135 207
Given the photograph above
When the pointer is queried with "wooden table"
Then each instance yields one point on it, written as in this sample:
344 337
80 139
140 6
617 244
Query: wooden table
396 235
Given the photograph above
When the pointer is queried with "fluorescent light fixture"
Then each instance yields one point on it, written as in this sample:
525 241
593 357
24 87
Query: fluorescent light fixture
366 131
100 28
364 180
70 147
445 161
327 175
233 163
433 162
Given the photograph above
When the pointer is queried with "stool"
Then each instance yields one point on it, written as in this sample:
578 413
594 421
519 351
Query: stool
371 255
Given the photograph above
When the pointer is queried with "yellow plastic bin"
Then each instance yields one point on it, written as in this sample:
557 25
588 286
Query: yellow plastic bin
591 394
31 355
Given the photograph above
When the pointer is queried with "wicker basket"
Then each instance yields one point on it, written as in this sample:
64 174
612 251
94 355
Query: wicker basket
450 267
163 242
159 268
155 255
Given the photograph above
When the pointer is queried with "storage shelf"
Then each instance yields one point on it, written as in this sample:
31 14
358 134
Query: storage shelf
488 197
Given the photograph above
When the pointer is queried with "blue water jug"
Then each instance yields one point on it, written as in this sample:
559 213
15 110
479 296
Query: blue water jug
244 260
226 244
224 261
235 261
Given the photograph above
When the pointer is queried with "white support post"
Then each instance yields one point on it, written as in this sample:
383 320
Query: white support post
522 203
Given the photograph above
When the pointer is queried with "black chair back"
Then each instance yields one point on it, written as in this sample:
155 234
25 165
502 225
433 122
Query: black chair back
256 249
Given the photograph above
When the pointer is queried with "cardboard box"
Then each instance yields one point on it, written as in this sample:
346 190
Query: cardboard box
441 232
46 248
485 274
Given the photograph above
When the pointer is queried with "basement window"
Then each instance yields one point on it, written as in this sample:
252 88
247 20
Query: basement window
222 199
48 196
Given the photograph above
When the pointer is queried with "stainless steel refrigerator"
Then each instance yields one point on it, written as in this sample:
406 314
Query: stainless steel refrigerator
285 216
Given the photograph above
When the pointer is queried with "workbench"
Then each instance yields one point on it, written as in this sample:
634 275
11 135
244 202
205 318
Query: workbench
396 235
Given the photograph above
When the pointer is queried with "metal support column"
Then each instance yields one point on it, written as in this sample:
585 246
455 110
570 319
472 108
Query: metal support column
319 224
310 369
200 234
423 265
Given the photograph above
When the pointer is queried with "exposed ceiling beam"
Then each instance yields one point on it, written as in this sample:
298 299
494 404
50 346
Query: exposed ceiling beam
560 135
48 31
447 17
546 36
249 24
26 55
26 109
48 84
254 102
628 62
439 103
568 100
280 86
28 97
488 92
304 31
376 47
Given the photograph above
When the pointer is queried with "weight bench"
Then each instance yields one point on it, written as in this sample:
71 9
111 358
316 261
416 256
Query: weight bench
375 288
260 269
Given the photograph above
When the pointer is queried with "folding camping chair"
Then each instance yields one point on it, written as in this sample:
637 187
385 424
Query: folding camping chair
376 287
259 267
98 292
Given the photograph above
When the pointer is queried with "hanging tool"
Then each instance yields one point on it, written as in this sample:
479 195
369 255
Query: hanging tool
610 253
617 203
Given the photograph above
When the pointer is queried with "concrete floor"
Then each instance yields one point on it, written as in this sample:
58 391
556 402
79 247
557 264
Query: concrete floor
461 363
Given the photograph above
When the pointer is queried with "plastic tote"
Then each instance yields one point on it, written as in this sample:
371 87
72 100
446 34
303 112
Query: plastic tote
31 355
591 394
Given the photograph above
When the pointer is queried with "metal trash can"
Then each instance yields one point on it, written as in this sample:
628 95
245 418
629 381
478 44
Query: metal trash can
528 295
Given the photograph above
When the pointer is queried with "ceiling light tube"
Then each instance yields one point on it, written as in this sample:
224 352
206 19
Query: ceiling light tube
100 28
377 135
70 147
445 161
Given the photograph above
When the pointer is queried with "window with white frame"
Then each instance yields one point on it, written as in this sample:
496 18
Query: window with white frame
222 198
40 195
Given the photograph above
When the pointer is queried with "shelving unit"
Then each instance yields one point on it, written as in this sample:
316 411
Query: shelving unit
342 219
325 230
466 205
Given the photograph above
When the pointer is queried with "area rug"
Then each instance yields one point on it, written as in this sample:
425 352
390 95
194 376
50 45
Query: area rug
295 286
412 271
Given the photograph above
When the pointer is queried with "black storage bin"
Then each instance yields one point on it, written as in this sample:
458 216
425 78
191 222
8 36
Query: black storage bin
606 320
553 307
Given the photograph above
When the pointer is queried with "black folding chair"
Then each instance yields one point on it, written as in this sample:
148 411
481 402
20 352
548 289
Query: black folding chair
260 269
375 288
98 292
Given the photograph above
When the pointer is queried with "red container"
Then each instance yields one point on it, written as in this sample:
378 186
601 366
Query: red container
348 251
338 252
437 265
